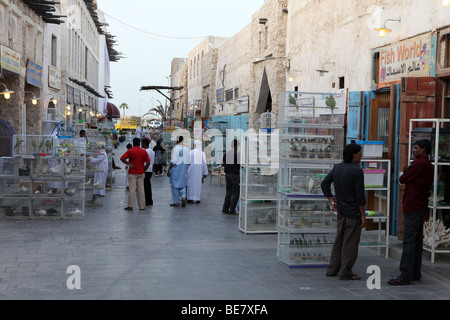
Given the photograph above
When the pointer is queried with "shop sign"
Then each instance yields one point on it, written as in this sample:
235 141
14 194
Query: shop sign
83 100
34 74
69 94
242 105
54 78
76 97
220 95
409 58
10 59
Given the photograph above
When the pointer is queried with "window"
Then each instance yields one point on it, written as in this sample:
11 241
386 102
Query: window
376 68
54 51
444 54
341 82
236 93
229 95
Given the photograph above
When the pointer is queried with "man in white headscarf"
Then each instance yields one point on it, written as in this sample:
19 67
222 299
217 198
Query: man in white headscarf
101 164
196 172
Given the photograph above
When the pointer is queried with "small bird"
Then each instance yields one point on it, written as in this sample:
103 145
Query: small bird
41 213
24 189
56 169
89 182
69 192
38 190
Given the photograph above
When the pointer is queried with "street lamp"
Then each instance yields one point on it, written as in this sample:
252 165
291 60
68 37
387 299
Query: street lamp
34 100
384 30
6 92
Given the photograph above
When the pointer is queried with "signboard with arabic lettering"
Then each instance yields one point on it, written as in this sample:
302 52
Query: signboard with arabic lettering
70 94
10 59
34 73
409 58
54 78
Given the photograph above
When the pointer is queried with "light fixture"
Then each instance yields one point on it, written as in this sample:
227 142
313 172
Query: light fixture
446 3
322 71
6 93
54 100
34 100
384 30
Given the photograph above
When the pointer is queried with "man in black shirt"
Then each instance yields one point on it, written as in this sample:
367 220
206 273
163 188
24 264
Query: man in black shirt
348 180
231 164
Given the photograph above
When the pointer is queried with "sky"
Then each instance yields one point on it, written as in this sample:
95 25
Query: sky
150 33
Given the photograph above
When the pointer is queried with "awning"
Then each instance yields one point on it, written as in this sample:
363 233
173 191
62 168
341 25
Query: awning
112 111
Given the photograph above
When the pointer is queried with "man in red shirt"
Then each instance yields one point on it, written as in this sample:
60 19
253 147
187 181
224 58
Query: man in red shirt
138 162
418 178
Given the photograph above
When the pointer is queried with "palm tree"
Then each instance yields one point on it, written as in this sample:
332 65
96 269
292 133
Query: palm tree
123 106
160 110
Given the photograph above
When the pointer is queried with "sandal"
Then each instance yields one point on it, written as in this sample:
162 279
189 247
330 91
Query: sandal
183 203
129 208
352 277
174 205
398 282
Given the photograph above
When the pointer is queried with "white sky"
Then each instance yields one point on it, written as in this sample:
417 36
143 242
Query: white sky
148 55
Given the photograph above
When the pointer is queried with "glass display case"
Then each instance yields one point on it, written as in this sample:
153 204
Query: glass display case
305 249
45 185
311 143
258 191
377 184
437 227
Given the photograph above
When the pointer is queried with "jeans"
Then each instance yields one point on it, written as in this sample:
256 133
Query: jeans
345 247
411 261
232 195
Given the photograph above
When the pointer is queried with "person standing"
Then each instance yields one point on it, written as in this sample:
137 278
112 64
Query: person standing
348 180
138 162
148 173
231 164
418 178
101 165
129 146
197 171
158 158
177 173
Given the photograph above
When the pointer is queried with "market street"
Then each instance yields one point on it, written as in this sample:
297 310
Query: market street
165 253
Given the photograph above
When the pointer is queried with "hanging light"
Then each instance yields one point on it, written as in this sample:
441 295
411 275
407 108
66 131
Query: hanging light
446 3
6 92
385 30
34 100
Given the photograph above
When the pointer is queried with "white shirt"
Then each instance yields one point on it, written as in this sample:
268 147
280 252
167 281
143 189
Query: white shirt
151 155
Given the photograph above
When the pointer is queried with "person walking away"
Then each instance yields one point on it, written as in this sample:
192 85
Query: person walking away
177 173
231 164
158 150
418 178
197 171
148 174
138 162
348 180
101 165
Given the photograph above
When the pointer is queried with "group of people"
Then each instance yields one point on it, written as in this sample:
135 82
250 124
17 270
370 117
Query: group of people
186 172
349 201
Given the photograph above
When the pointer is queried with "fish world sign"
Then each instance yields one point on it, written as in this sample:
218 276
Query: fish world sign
413 57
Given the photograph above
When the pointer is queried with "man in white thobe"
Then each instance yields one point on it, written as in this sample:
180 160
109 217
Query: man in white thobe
196 172
101 163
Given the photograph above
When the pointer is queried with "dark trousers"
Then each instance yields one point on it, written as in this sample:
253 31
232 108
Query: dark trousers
157 168
148 189
232 195
345 247
411 261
